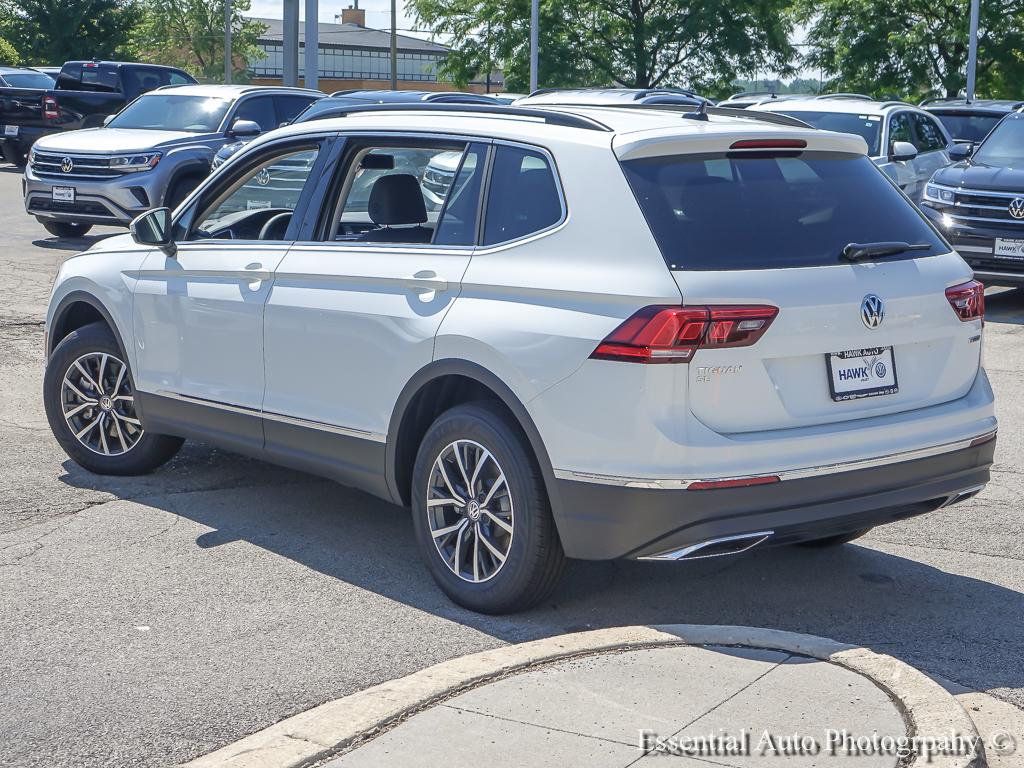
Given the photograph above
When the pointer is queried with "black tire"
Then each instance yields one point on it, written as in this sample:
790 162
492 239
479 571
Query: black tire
14 156
834 541
66 228
142 451
534 559
180 189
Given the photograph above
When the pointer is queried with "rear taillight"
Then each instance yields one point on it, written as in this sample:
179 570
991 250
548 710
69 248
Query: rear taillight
673 334
51 111
967 300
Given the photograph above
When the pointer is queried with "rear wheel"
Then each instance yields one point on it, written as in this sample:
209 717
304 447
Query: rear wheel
481 513
65 228
89 396
835 541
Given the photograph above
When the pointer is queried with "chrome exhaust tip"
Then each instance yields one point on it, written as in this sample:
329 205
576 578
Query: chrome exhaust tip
726 545
959 496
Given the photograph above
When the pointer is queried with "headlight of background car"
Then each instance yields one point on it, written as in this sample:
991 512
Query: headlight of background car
938 194
134 163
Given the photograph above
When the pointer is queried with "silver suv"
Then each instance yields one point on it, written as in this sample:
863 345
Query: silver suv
154 152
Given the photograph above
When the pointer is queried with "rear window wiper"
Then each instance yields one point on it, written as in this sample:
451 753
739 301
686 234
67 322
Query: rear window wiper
857 251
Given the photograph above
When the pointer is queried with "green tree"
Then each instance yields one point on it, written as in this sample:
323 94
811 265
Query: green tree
190 34
914 47
703 44
55 31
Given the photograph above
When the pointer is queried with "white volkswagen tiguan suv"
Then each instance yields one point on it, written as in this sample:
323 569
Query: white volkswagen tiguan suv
626 333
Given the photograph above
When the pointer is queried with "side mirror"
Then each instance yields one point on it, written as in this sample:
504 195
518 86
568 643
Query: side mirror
154 228
243 129
902 151
108 118
961 151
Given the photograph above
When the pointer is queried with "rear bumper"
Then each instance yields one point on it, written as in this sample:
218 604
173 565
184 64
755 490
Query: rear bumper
601 521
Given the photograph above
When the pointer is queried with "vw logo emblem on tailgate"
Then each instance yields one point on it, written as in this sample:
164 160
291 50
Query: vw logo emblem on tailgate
872 311
1016 208
67 165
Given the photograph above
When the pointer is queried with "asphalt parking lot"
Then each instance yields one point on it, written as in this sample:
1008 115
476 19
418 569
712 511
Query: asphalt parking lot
145 621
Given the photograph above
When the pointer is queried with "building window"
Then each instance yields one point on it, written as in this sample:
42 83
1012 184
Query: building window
343 63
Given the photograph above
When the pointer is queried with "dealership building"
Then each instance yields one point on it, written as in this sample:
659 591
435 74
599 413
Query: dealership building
352 55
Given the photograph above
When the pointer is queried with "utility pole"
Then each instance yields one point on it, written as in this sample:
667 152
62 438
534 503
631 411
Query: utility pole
534 42
394 45
291 43
311 65
227 41
972 55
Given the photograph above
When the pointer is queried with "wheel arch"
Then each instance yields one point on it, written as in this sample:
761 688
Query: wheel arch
436 388
76 310
197 167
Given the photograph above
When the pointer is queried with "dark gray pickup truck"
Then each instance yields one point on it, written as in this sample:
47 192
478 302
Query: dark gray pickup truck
86 93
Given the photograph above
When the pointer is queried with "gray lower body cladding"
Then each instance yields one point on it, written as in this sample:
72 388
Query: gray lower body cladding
600 522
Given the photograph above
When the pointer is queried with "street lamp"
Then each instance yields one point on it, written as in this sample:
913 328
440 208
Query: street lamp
534 42
972 54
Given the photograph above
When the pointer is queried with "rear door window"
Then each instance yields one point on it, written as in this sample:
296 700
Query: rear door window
797 210
523 196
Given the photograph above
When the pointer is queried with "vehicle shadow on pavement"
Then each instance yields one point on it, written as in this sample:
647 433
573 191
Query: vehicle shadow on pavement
968 630
71 243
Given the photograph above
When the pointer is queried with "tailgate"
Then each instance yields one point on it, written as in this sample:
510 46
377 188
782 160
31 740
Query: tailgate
919 355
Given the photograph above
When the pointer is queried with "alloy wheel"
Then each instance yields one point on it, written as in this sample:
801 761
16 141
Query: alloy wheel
470 511
98 404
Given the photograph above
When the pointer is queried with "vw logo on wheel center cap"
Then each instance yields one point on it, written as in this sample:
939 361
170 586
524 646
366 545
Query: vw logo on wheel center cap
106 403
67 165
1016 208
872 311
473 510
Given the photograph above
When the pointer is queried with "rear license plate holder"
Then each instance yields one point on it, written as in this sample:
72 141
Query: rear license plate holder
858 373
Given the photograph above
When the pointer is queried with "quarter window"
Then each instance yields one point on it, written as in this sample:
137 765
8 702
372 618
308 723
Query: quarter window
523 196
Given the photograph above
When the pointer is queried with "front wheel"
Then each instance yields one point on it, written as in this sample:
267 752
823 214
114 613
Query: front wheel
481 514
65 228
89 397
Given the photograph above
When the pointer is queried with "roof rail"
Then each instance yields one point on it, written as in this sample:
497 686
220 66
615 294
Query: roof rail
858 96
564 119
765 117
895 103
748 94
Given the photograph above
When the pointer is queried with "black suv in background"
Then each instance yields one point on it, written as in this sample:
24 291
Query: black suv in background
978 202
969 122
86 93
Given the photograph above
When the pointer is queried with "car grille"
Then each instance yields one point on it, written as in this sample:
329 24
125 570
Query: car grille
83 207
49 165
983 206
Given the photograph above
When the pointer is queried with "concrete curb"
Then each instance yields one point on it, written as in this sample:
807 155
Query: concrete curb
317 733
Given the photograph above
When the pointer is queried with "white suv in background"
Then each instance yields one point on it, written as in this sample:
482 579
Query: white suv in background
906 142
625 333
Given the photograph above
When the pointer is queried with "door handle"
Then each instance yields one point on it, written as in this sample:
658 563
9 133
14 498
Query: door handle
255 271
426 280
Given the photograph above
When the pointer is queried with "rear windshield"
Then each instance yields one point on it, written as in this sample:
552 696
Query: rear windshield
968 127
868 127
768 211
29 80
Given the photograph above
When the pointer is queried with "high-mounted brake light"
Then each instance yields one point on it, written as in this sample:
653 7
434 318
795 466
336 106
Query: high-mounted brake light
967 300
51 110
661 334
769 144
